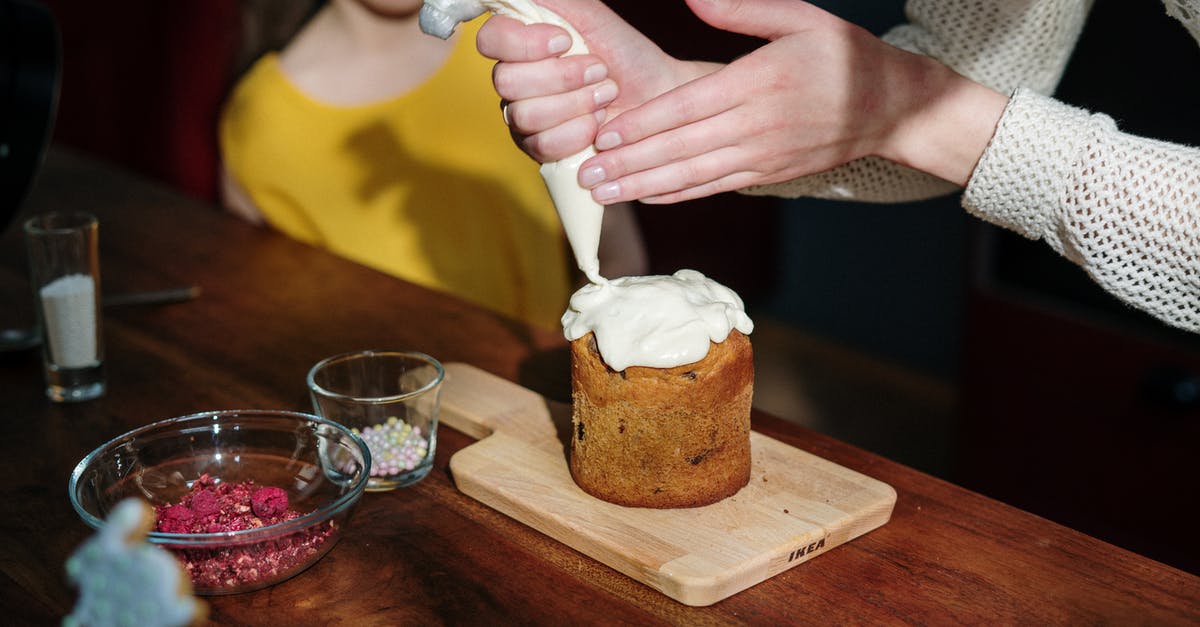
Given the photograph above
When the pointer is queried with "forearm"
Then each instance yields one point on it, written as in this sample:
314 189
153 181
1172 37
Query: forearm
237 201
1069 177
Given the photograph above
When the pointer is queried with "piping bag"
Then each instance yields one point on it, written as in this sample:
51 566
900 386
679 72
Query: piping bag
581 216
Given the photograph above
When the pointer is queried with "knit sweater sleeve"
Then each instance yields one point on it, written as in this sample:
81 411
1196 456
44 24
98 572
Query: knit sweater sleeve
1000 43
1125 208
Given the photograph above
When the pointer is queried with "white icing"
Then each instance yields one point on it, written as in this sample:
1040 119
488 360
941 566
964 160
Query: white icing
655 321
580 214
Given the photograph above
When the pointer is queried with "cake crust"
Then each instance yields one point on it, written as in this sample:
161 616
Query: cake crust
662 437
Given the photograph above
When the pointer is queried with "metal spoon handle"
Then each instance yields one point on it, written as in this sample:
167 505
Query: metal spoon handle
157 297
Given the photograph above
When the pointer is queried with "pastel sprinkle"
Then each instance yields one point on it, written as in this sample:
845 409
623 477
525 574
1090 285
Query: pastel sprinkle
395 446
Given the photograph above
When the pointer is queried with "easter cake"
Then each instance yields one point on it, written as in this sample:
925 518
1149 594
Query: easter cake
662 377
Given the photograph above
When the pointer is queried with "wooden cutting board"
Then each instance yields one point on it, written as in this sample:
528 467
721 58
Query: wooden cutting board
796 506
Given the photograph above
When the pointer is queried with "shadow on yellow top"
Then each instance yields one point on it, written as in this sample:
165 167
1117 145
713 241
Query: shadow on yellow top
427 186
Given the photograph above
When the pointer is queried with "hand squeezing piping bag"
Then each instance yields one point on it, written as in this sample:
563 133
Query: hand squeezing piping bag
581 216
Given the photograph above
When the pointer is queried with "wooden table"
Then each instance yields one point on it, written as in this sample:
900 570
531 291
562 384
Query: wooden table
429 554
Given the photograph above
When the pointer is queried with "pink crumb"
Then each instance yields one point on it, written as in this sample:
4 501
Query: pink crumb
212 506
204 503
175 519
269 501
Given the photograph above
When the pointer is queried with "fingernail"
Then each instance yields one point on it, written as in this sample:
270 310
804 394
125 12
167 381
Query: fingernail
591 177
559 44
601 115
604 94
595 73
608 191
608 140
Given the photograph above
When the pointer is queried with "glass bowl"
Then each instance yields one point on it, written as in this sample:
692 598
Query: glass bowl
321 466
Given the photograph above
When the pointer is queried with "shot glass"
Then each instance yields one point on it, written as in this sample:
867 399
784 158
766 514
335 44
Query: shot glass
64 266
390 400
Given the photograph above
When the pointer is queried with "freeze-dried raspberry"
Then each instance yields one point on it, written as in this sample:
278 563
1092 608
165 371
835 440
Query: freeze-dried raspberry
269 501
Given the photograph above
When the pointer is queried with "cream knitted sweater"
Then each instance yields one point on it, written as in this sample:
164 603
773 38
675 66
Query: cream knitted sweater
1125 208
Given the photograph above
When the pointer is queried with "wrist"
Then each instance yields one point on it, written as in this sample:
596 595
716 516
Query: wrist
944 123
682 72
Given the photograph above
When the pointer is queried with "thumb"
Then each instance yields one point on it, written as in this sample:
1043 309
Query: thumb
767 19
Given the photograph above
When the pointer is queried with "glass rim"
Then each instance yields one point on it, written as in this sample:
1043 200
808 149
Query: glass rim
433 383
46 222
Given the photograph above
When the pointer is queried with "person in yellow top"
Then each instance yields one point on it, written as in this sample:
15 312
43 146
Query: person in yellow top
385 145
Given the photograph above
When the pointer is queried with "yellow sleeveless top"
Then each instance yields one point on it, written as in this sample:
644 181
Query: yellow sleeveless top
427 186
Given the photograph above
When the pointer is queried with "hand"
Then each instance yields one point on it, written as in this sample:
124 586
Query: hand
555 104
821 93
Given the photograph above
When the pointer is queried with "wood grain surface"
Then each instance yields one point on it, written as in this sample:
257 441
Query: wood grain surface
429 554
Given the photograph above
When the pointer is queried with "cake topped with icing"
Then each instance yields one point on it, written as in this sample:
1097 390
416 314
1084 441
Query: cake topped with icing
655 321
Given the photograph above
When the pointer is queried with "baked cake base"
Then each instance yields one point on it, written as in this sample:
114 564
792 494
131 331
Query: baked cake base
662 437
